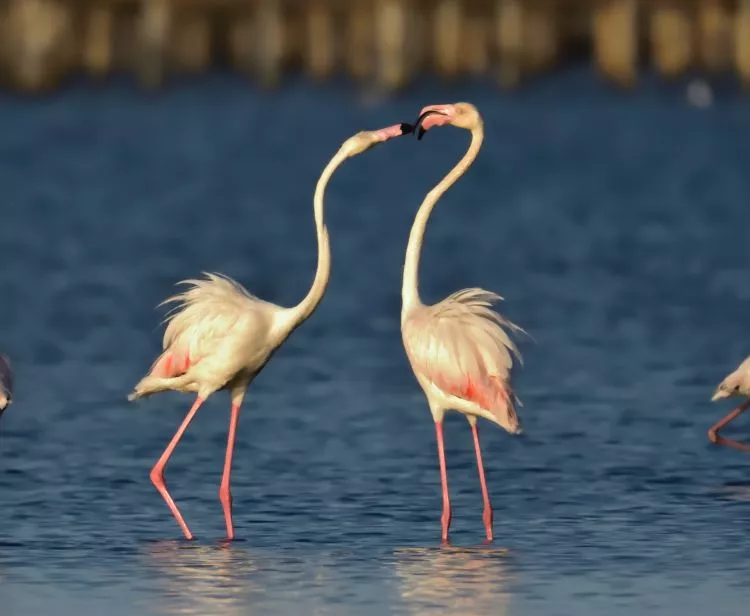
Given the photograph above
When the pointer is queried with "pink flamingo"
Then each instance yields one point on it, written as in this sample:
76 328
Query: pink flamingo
458 349
6 383
221 336
735 384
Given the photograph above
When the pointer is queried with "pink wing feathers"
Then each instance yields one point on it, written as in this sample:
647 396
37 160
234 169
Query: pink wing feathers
461 346
203 317
170 364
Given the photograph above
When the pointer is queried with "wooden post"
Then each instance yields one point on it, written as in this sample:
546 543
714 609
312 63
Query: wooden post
271 39
616 39
509 19
715 34
319 39
447 25
241 38
742 41
191 40
97 46
671 38
390 43
359 43
475 44
39 41
257 41
541 34
155 28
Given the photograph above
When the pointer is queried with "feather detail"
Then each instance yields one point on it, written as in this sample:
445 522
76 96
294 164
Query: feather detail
215 320
171 363
461 345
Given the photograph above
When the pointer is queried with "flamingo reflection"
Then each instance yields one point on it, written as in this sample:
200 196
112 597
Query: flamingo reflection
457 581
195 579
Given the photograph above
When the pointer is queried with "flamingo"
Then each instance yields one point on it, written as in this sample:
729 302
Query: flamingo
6 383
735 384
458 348
220 336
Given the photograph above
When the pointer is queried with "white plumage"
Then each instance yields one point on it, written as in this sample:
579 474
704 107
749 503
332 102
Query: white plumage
220 336
735 384
460 349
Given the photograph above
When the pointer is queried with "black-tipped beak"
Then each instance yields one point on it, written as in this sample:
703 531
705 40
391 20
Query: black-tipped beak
418 124
406 128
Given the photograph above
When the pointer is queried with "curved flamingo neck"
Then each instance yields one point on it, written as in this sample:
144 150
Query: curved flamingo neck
302 311
410 289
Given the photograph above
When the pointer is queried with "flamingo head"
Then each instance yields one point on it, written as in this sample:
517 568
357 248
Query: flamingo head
365 139
461 115
736 383
728 388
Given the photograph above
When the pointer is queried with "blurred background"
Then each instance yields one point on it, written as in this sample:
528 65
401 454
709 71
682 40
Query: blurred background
142 143
385 42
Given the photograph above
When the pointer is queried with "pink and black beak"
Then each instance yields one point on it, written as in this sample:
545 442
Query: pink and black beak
406 128
434 115
424 123
6 383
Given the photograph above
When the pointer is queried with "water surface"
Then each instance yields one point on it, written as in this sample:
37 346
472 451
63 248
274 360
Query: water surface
611 223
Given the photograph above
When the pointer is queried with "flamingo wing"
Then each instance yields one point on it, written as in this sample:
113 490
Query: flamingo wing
206 319
461 345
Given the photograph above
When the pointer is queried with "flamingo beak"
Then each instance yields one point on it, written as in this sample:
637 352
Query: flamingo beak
719 394
406 128
397 130
426 121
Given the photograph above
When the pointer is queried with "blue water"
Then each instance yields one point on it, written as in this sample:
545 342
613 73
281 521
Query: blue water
612 223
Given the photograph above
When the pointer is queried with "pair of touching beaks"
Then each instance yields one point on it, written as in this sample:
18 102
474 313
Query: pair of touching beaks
407 129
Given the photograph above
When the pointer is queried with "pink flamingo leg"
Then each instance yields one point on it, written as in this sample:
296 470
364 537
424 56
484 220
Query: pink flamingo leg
716 439
487 515
446 517
157 473
225 492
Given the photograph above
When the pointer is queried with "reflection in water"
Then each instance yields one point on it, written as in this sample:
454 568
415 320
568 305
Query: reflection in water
459 581
202 579
736 491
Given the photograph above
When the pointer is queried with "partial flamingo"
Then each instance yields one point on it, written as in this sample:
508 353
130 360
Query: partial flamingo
6 383
221 336
735 384
459 349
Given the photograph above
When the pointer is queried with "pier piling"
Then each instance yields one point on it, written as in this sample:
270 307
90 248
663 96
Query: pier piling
385 42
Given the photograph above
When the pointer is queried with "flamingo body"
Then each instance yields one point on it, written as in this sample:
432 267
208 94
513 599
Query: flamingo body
462 356
220 336
460 349
735 384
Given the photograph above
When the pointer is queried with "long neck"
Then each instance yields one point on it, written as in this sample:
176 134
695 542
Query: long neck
410 288
307 306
